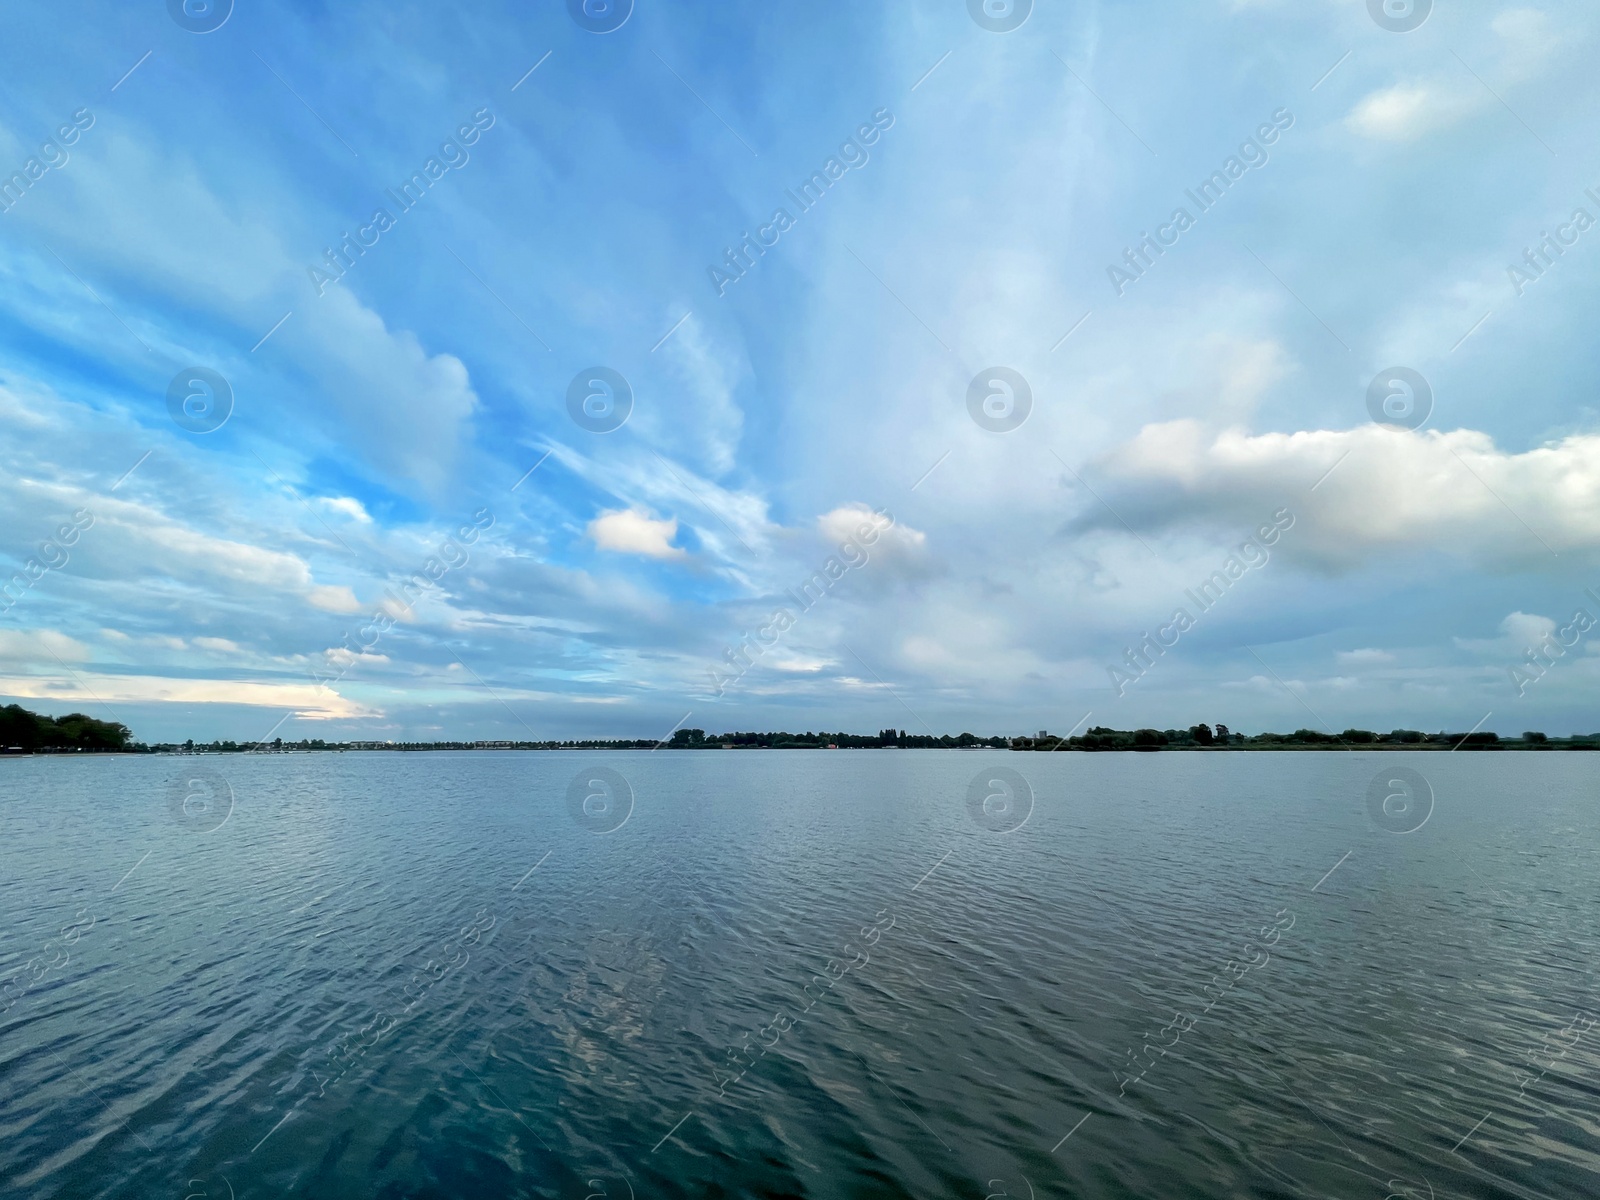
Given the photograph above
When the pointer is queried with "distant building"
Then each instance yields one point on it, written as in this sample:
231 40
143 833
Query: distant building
1043 735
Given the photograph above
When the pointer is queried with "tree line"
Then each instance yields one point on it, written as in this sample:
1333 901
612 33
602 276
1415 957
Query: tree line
21 730
690 739
1204 736
28 732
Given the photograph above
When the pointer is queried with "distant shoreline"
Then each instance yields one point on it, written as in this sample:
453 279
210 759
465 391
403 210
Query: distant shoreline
1099 740
26 734
1514 746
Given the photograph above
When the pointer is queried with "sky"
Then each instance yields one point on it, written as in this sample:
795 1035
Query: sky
1006 326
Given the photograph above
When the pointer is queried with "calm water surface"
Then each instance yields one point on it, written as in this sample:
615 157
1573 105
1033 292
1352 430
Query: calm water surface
799 974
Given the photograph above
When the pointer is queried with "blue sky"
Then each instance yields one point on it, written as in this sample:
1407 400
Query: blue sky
228 586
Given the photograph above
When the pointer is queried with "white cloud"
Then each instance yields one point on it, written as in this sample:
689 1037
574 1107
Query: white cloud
1390 491
177 549
349 506
795 663
733 526
1407 110
1526 628
1364 657
897 545
340 657
850 523
334 598
1519 631
410 407
305 700
635 531
40 646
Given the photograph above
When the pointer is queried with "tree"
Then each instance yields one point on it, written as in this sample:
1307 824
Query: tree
1222 733
19 728
1539 739
75 731
1202 734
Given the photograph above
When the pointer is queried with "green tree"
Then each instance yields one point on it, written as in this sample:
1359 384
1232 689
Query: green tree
19 728
76 731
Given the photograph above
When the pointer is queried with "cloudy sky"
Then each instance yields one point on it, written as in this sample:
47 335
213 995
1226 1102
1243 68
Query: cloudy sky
953 223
